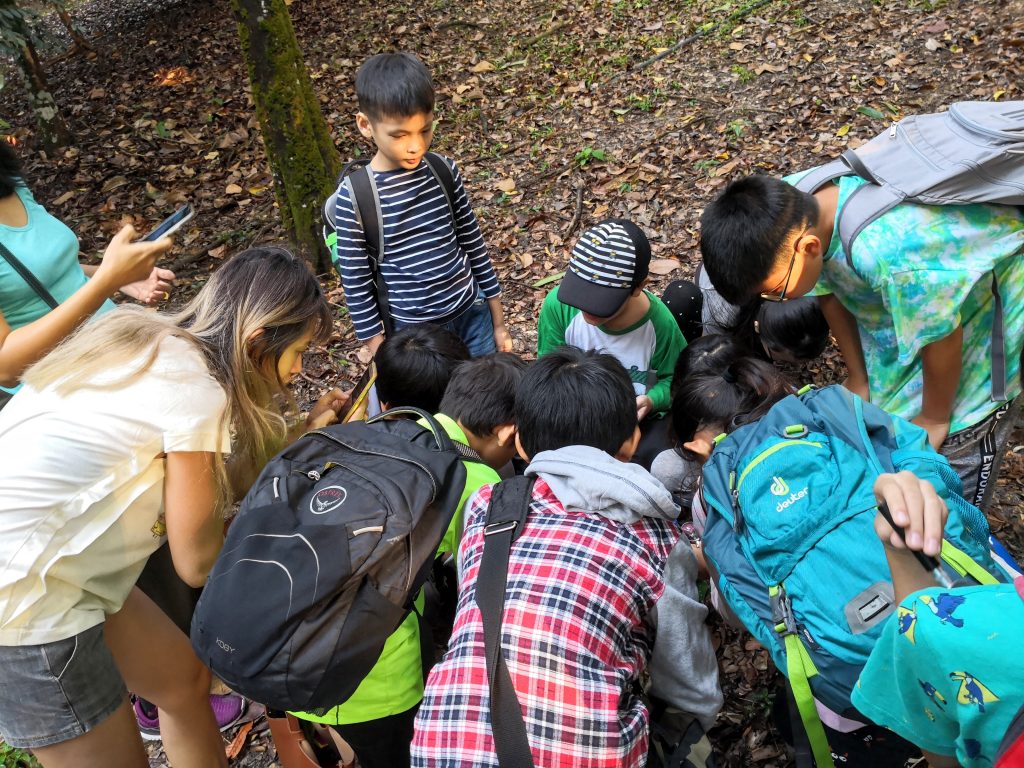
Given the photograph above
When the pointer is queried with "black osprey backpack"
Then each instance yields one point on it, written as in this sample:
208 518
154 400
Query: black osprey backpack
322 564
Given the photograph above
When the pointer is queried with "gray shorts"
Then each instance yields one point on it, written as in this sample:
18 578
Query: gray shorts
976 453
57 691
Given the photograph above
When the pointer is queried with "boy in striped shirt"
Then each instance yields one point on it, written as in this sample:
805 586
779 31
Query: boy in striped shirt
435 266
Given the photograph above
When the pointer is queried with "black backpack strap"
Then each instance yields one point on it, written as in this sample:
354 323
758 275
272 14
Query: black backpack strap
366 203
28 277
510 504
443 173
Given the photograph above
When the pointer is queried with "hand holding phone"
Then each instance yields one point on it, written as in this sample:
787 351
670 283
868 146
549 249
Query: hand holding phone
172 223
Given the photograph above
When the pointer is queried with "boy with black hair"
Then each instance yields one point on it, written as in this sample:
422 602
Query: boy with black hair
476 411
435 269
600 588
415 365
601 304
912 307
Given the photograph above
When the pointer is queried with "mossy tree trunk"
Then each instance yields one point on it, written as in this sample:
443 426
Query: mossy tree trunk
298 144
53 131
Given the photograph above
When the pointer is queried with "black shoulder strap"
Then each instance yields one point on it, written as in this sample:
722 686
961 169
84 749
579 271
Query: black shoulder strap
28 277
367 207
506 515
443 173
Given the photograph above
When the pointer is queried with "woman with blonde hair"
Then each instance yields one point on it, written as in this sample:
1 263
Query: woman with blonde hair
116 441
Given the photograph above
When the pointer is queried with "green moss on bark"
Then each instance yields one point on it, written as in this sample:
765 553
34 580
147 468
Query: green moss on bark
302 156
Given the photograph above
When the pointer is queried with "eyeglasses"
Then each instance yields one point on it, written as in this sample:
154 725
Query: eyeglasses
771 296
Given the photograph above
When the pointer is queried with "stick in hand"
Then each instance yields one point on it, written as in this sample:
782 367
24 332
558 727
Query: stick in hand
928 562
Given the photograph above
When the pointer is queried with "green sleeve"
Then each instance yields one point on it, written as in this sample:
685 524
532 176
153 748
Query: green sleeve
554 319
669 343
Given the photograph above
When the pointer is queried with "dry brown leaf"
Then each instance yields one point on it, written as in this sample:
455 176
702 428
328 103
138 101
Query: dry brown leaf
508 186
238 743
482 66
232 189
663 266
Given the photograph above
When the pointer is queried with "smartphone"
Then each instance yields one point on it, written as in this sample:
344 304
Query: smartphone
360 393
172 223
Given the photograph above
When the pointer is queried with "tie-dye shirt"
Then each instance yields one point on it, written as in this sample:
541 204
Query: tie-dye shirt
915 274
939 676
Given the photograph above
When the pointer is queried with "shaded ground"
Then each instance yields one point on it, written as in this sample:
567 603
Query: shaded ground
551 132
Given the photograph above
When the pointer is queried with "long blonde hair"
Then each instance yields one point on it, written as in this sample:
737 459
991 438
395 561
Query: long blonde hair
250 311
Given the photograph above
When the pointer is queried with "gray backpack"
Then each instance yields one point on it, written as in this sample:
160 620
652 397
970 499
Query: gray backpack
974 153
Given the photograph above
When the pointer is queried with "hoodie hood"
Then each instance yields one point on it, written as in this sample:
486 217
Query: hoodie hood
588 480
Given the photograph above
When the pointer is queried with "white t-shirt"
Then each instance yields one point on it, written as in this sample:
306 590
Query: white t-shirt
81 489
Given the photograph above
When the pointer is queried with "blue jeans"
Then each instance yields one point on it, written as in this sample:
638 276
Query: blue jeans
474 327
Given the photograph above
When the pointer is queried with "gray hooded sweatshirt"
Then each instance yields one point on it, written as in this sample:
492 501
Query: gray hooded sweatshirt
684 671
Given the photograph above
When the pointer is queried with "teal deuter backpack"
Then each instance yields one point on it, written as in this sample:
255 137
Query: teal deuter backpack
790 513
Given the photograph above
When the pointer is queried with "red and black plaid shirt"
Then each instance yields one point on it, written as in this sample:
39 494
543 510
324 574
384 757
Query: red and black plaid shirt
575 637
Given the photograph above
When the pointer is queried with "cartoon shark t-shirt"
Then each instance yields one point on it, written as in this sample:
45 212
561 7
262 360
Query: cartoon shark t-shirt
945 674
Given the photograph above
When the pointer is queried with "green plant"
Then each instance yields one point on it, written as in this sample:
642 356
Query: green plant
588 155
625 187
12 757
707 164
736 127
744 74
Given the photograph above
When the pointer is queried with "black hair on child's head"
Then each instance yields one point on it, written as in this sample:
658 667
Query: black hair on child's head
744 228
394 85
415 365
575 397
727 398
711 352
796 326
481 395
10 170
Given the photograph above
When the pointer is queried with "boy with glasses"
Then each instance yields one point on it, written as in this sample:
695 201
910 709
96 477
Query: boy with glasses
911 307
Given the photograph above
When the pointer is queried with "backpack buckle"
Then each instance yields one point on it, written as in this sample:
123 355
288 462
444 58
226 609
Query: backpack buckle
501 527
782 611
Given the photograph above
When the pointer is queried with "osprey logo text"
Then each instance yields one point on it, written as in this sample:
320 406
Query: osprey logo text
793 499
326 499
779 487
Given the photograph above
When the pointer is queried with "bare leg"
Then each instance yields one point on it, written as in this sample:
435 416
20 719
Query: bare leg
114 743
158 663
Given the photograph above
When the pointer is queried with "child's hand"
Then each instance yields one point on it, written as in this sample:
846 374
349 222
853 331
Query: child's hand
915 507
154 289
502 339
644 405
327 409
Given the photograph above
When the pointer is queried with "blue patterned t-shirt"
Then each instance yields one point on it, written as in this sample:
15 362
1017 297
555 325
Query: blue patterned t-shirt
946 672
915 274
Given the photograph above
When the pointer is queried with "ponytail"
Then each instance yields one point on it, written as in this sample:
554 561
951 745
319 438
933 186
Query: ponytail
739 392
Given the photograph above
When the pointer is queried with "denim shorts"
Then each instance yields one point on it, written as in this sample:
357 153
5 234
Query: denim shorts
57 691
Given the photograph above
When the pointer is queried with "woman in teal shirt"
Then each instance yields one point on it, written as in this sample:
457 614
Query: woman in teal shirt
49 250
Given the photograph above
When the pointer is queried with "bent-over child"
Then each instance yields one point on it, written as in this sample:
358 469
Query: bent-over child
478 411
601 588
912 306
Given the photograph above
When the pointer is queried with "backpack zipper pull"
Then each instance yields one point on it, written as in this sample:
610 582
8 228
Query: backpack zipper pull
734 497
313 475
892 129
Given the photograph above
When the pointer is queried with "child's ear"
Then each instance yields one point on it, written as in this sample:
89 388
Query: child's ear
520 450
364 125
643 284
702 444
505 434
628 448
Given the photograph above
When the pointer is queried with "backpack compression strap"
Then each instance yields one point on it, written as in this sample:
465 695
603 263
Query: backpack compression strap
799 669
510 504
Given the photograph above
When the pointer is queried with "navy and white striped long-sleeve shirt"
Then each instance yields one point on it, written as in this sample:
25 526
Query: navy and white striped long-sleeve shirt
431 271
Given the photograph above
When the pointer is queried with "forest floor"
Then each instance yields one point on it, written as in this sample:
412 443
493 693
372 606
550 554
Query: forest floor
555 122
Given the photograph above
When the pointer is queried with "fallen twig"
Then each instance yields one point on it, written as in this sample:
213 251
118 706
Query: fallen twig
546 33
704 31
578 213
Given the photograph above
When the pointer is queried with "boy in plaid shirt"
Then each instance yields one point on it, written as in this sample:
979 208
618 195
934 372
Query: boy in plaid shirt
600 588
